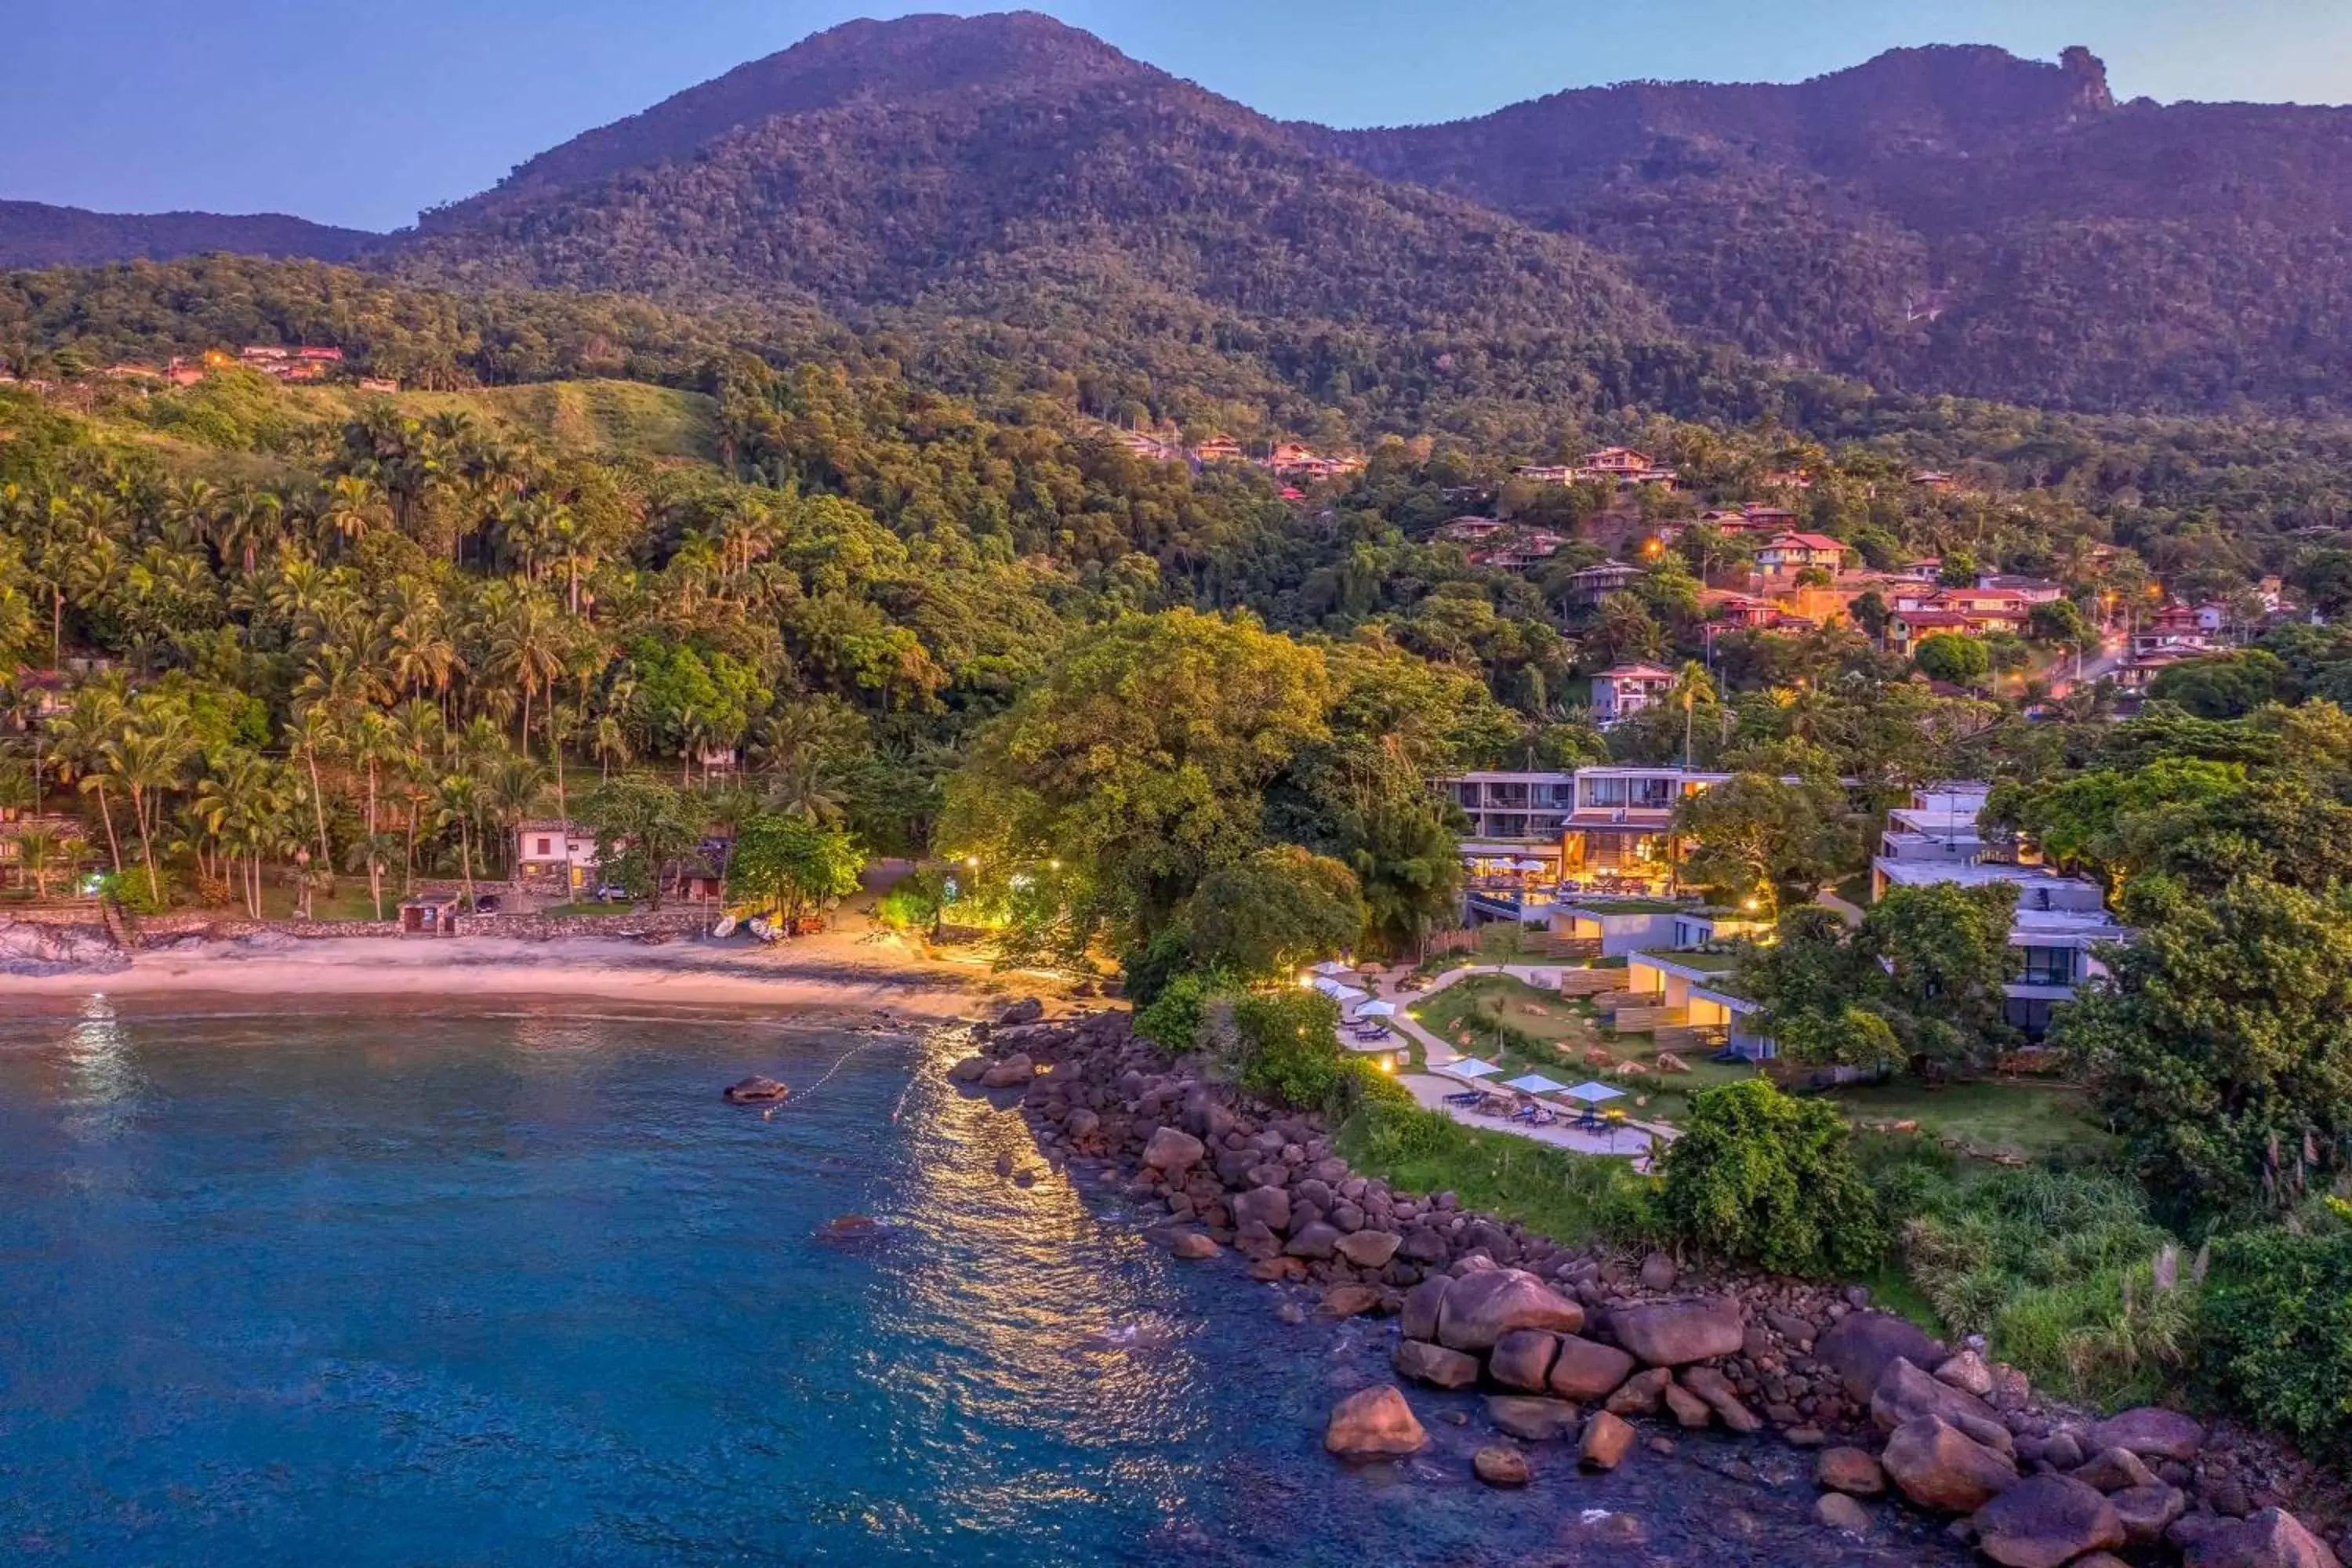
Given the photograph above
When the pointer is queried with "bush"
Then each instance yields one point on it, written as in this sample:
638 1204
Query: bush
1290 1047
1572 1198
2278 1330
1761 1177
1149 969
1172 1021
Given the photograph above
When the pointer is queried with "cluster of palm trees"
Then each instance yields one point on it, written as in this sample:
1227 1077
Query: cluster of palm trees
387 783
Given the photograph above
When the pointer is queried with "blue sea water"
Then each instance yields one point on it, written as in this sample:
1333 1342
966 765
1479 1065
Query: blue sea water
377 1285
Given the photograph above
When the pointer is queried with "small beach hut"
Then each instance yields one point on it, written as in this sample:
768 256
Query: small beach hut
429 914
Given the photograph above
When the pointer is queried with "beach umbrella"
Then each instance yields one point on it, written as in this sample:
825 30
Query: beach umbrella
1330 966
1470 1068
1377 1010
1593 1094
1535 1083
1531 866
1345 995
1329 987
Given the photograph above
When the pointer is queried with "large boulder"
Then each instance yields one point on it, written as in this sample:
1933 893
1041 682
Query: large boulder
2148 1511
1500 1465
1639 1394
1531 1420
1841 1514
2271 1539
1859 1346
1722 1398
1522 1359
1173 1150
1368 1248
1423 1303
1435 1365
2151 1432
1317 1240
1268 1207
1673 1333
1028 1010
1374 1424
1607 1440
1849 1470
2115 1470
2044 1521
1937 1466
756 1092
1586 1370
1903 1393
1483 1307
1013 1072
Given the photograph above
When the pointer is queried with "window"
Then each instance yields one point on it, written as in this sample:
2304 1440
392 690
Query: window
2048 966
545 847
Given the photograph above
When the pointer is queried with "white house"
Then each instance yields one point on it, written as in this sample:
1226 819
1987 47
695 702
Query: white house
2059 921
556 855
1622 691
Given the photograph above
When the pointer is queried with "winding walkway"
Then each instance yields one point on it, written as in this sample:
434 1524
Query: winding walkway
1432 1089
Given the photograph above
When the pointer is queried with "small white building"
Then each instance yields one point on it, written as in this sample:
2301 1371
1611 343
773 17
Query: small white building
1624 689
552 854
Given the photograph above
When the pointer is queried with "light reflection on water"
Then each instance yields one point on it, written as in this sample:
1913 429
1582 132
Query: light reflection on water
515 1287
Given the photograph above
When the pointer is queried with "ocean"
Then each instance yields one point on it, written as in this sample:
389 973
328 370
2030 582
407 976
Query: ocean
415 1283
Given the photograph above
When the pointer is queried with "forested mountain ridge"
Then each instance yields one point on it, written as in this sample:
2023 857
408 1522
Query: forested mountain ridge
34 233
1947 219
1017 194
1944 220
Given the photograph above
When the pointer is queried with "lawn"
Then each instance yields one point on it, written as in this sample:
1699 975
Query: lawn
2017 1117
1550 1034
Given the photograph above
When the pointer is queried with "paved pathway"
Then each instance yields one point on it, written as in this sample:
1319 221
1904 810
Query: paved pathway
1431 1090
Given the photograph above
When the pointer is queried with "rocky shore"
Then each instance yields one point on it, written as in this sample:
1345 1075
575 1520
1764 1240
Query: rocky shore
1575 1346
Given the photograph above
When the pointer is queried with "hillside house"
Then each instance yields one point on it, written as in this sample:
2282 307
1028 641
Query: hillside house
1934 480
1218 449
2173 627
1620 466
1740 610
1622 691
1594 584
1790 553
1704 988
1545 473
2060 923
554 856
1517 553
2030 591
1469 530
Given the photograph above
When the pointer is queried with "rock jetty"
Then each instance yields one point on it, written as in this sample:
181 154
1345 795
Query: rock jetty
1576 1343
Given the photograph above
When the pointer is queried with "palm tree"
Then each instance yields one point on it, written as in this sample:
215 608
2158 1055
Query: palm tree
352 506
79 737
527 646
37 850
146 757
510 794
457 802
242 802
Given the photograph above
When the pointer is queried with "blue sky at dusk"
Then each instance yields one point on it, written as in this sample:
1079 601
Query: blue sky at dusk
359 113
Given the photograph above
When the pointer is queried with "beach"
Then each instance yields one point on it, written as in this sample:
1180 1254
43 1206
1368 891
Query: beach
846 973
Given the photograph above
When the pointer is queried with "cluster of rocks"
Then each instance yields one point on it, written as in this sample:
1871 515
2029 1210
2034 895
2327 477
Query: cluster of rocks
1576 1344
32 949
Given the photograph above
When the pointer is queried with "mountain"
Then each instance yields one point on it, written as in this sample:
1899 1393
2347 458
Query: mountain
997 190
1947 219
33 234
1009 168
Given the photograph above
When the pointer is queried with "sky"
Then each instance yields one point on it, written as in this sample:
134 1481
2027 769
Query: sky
363 112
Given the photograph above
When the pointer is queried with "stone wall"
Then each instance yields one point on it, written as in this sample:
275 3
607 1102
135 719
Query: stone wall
675 922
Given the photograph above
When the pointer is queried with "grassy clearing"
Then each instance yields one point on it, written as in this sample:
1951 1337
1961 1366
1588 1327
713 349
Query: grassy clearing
1571 1199
2017 1118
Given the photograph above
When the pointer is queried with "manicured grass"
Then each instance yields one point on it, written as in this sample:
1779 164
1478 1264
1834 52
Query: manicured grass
2011 1116
1600 906
1571 1199
1473 1006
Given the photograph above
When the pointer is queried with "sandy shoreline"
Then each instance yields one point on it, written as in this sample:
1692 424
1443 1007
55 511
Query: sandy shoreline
840 974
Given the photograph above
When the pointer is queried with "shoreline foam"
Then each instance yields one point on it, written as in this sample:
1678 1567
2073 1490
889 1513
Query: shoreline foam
837 974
